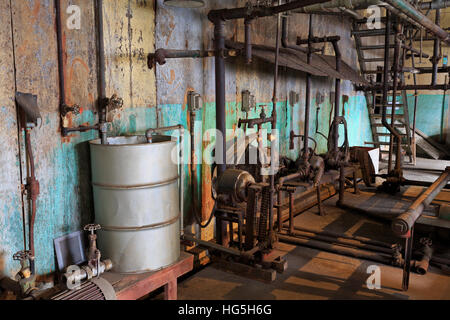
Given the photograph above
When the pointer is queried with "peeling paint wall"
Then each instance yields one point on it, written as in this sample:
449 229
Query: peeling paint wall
158 97
62 164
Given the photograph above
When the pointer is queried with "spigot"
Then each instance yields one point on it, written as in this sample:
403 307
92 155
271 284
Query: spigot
26 275
94 254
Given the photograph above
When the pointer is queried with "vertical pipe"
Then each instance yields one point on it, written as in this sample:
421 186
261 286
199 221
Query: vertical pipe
279 218
416 95
61 71
182 180
291 212
248 41
307 98
101 72
274 124
407 263
394 98
436 46
385 82
219 46
219 43
337 98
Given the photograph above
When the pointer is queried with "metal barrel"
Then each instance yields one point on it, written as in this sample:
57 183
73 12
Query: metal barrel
135 185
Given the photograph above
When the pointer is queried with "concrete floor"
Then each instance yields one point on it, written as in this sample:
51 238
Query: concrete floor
314 274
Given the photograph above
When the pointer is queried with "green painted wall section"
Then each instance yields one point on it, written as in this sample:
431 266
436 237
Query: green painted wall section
432 114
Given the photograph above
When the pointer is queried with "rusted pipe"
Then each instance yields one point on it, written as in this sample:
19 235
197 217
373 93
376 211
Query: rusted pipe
403 224
338 249
337 97
284 37
273 154
440 4
435 59
33 193
421 266
396 134
420 18
340 241
384 121
251 12
248 40
161 55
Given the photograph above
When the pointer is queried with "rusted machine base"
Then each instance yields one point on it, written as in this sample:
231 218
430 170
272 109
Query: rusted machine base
266 272
133 287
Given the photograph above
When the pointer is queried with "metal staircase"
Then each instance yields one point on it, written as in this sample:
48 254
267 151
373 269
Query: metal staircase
370 54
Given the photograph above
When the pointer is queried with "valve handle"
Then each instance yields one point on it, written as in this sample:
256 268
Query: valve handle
22 255
92 227
426 241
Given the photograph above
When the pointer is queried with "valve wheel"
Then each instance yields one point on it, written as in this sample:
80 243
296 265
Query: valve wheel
92 227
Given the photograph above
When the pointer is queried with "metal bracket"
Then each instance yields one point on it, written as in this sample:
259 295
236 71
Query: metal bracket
193 101
248 101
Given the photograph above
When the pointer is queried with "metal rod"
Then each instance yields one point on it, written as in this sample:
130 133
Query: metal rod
404 223
396 136
341 241
435 59
273 154
344 236
407 263
248 40
339 249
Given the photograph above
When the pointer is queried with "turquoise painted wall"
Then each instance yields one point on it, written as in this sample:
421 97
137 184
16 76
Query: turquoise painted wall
432 114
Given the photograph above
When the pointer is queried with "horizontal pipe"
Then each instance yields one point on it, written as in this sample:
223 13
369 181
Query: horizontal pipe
420 18
258 12
344 236
405 87
403 224
422 70
434 5
341 241
161 55
338 249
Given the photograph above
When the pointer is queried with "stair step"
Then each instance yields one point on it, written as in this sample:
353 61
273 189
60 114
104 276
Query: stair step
387 135
395 125
382 143
389 116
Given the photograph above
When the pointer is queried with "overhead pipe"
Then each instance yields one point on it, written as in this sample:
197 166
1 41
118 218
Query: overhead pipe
403 224
420 18
161 55
440 4
284 37
251 12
